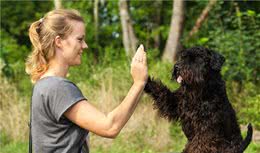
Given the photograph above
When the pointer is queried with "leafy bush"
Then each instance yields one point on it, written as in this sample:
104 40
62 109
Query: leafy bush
231 29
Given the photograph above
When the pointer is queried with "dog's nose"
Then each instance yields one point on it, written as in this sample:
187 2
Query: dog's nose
176 66
175 70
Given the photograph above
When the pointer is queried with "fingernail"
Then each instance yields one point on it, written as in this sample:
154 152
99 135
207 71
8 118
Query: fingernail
142 46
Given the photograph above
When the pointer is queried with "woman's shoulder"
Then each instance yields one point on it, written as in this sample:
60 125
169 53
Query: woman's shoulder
51 79
52 83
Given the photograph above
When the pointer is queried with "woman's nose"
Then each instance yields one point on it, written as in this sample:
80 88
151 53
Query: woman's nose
85 45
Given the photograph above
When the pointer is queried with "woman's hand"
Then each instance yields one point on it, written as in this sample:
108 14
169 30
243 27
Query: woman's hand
139 70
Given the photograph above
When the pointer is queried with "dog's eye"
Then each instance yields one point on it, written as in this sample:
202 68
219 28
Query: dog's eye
191 58
199 60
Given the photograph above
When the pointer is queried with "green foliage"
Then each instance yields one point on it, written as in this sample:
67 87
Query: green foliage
179 139
231 28
236 37
252 111
16 17
248 103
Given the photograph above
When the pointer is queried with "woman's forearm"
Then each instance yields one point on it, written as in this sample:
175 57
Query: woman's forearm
121 114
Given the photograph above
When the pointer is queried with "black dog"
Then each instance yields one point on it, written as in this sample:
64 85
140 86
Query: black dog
200 104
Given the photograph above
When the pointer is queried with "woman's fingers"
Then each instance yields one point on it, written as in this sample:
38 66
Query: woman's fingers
139 68
144 58
139 55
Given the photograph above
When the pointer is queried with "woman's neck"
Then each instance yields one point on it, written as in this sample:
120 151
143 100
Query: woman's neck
56 69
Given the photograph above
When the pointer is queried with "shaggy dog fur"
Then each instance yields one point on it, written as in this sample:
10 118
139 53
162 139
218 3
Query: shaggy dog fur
200 104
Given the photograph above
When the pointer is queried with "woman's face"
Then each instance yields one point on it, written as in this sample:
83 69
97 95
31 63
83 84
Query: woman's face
74 44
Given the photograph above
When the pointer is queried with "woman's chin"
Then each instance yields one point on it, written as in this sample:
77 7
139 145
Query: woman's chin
76 63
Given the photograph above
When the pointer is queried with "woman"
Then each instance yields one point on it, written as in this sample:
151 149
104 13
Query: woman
61 116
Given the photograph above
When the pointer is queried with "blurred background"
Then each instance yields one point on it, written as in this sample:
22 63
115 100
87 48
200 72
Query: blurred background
114 29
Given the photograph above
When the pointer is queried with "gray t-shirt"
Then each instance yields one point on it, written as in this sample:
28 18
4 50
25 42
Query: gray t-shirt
52 132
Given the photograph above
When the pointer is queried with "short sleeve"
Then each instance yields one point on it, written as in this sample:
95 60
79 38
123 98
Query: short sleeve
65 95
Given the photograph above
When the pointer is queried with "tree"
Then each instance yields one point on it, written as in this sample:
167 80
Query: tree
96 21
202 17
129 38
157 23
173 42
57 4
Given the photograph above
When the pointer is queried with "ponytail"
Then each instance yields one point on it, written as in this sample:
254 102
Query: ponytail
36 63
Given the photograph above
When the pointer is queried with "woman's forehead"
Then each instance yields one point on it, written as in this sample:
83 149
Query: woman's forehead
78 28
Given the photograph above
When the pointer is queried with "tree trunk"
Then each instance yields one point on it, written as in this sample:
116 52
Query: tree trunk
96 30
173 42
96 21
129 38
57 4
157 39
202 17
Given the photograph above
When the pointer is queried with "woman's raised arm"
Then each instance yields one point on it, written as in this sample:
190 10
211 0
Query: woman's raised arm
88 117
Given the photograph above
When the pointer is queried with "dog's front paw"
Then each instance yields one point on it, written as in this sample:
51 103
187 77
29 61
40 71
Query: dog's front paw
147 87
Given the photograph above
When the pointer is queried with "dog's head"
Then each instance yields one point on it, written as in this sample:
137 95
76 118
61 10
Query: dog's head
196 65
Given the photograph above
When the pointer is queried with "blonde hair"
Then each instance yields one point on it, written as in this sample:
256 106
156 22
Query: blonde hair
42 34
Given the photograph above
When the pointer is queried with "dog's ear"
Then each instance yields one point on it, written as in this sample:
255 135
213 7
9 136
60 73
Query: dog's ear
216 61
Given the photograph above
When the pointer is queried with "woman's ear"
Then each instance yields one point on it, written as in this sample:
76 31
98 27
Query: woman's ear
58 41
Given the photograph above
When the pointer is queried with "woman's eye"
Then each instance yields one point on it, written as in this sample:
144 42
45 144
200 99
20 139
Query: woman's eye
80 39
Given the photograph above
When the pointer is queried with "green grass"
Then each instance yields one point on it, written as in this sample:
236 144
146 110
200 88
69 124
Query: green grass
135 143
14 147
120 145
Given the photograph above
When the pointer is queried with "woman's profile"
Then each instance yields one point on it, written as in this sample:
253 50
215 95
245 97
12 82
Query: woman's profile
61 116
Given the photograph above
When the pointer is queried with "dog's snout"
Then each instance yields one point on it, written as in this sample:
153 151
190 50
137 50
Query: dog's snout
175 71
176 67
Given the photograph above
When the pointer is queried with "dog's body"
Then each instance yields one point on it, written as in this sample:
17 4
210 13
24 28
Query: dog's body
200 104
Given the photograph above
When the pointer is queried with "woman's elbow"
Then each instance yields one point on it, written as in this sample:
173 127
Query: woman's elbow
112 128
111 136
112 133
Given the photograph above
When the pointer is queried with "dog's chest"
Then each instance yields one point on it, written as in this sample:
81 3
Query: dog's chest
192 116
194 111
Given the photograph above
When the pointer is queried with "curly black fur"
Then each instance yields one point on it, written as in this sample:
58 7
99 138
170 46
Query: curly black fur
200 104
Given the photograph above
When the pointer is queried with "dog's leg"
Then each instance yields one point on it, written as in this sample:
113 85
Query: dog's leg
164 100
